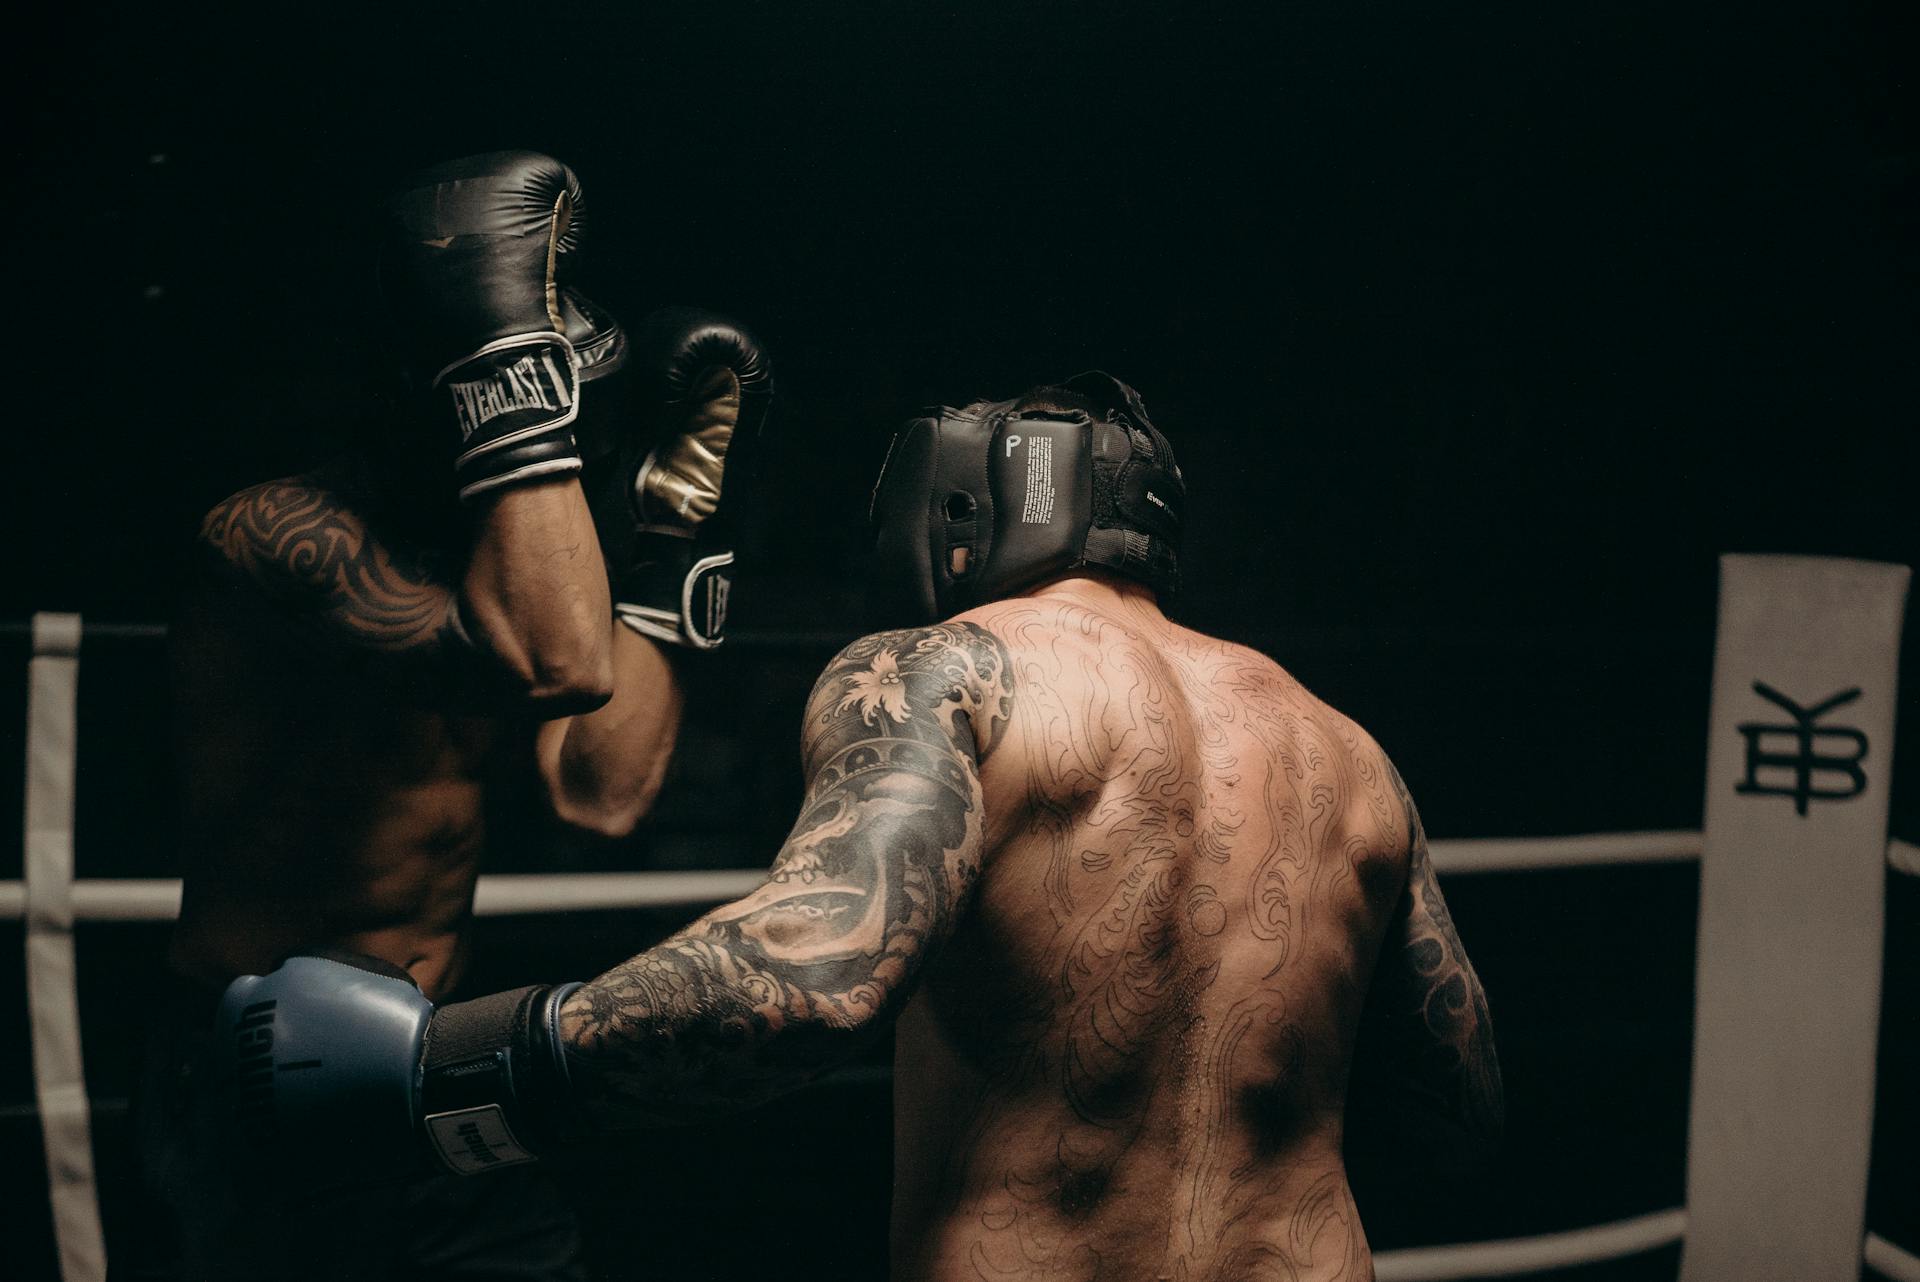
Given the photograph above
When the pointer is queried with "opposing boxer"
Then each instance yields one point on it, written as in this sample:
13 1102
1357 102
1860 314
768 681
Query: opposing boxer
1131 894
382 655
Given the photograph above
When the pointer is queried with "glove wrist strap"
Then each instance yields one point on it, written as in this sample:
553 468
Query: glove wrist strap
513 402
493 1089
681 599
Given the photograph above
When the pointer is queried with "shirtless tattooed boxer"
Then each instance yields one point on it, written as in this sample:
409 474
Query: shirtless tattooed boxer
1129 892
380 654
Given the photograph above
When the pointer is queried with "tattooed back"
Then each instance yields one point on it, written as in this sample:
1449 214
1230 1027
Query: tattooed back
1131 1060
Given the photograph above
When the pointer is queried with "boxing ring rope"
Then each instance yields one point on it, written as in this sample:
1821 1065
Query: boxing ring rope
504 895
51 900
508 895
1510 1256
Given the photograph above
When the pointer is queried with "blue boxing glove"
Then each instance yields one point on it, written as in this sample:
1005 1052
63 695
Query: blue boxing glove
337 1070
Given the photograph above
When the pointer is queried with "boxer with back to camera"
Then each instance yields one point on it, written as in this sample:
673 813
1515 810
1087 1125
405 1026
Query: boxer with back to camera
1128 894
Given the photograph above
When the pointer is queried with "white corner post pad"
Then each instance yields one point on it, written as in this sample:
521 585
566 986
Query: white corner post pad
1792 885
53 1006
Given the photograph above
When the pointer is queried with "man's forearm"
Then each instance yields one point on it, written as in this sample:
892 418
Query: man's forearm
603 769
694 1029
765 993
534 596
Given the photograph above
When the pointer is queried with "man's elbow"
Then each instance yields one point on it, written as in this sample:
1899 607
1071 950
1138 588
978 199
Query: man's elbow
1489 1123
844 1020
1483 1092
1478 1123
1476 1147
832 1040
556 681
612 817
1403 1139
1453 1127
599 802
564 692
560 668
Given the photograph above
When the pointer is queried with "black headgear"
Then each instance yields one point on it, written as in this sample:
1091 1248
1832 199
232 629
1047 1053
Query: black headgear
978 503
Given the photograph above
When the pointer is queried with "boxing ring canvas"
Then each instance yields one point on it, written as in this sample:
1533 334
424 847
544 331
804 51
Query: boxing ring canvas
1794 854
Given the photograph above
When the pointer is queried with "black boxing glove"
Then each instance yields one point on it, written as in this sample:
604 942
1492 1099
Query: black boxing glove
665 484
470 270
599 343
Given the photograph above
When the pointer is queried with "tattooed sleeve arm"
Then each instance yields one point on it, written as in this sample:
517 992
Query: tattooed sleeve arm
1425 1064
300 547
308 552
758 996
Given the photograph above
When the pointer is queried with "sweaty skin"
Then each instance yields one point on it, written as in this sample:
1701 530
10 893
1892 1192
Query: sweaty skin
1124 888
1131 1059
351 707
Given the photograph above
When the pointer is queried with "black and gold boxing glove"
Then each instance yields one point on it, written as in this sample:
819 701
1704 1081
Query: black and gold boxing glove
666 487
470 271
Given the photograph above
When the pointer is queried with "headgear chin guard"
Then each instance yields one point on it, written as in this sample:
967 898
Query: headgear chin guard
979 503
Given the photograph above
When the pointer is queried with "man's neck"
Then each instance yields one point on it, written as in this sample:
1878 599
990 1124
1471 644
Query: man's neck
1100 590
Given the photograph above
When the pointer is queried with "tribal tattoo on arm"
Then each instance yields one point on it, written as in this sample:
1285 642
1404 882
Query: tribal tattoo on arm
318 563
1427 1018
759 996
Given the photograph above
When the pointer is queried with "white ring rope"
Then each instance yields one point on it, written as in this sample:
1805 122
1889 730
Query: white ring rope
1528 854
1503 1259
1891 1261
1904 857
502 895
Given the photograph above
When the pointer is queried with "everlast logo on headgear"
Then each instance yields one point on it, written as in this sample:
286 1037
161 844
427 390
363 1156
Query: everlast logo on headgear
533 382
253 1071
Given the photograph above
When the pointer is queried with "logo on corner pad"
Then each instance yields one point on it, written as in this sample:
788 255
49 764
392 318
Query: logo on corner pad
1789 755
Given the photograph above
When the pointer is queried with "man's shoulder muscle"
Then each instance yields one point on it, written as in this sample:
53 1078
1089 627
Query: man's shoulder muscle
953 680
277 529
306 545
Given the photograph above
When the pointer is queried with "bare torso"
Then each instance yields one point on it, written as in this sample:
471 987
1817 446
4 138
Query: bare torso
1131 1060
329 797
319 812
362 684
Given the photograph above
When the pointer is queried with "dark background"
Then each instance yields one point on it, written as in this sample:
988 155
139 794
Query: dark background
1481 330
